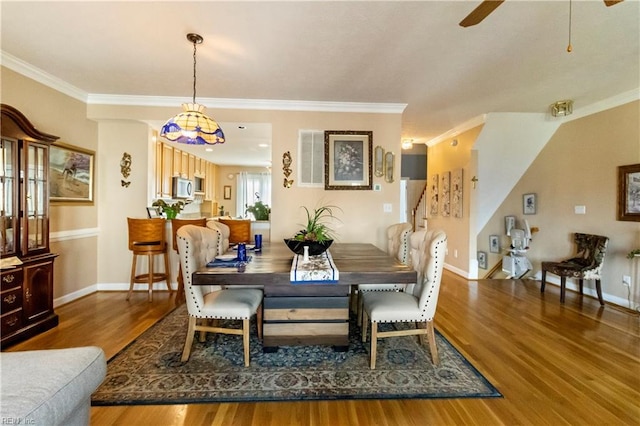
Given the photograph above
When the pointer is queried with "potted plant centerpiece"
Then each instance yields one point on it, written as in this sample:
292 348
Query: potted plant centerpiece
316 234
170 210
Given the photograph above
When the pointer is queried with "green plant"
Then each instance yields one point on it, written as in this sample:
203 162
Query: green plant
259 210
633 253
317 228
170 210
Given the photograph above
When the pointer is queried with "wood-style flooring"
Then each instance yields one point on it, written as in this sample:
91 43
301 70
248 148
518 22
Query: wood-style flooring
571 364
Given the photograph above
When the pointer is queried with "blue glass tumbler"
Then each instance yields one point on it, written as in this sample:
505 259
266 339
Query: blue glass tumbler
242 252
258 241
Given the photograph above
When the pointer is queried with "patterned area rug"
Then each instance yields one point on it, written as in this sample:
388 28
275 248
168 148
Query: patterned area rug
149 370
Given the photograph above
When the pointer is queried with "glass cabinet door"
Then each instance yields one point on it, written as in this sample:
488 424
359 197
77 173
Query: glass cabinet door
36 201
8 193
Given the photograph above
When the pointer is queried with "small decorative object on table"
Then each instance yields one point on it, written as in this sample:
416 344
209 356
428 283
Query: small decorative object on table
316 235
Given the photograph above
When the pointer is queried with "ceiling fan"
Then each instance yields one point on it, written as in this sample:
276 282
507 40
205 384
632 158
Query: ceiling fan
487 6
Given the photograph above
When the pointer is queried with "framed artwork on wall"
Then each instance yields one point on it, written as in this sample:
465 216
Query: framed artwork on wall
494 244
347 159
445 194
629 193
433 210
71 173
456 193
482 259
529 204
227 192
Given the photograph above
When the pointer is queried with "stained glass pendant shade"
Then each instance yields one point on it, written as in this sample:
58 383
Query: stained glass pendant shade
192 126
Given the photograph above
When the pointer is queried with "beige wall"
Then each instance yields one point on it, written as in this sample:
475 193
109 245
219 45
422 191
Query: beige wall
578 166
444 157
73 226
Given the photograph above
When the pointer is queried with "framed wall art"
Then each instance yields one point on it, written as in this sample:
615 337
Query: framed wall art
71 173
456 193
629 193
347 159
529 204
445 194
227 192
482 259
494 244
433 209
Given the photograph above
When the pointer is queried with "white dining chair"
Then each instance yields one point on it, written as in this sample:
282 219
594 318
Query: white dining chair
398 247
223 234
417 305
197 246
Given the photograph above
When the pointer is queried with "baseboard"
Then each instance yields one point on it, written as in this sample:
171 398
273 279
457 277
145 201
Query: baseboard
63 300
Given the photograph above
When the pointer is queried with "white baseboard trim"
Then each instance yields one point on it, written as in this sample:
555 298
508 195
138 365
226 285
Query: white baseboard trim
74 295
73 234
136 287
457 271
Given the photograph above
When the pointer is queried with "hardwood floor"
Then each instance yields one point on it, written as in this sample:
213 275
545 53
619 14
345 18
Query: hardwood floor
575 364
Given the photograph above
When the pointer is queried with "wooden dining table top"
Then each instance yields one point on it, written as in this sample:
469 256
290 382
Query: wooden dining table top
357 263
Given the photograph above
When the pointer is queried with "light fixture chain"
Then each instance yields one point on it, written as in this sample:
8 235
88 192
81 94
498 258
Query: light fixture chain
194 72
569 47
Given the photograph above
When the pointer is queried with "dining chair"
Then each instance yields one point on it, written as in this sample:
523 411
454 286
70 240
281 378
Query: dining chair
585 265
175 225
223 234
398 247
416 306
147 238
197 246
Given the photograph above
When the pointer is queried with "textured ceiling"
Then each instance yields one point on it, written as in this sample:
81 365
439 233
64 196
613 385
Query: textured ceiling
359 51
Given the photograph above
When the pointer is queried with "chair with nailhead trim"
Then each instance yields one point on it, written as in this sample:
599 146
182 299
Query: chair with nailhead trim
197 246
417 305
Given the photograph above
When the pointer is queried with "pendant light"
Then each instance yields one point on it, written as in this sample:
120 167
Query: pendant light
191 126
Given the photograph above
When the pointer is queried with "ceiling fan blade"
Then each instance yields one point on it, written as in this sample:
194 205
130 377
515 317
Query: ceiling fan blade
612 2
482 11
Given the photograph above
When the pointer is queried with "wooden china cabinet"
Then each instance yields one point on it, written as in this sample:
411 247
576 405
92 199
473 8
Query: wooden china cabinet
26 288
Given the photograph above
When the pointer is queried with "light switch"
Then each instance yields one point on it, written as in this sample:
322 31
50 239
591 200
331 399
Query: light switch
387 207
580 209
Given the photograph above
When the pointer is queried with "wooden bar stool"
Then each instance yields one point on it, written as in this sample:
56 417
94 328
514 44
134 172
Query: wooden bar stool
147 238
175 225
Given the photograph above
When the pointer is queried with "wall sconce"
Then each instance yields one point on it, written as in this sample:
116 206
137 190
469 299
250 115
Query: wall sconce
407 144
454 142
561 108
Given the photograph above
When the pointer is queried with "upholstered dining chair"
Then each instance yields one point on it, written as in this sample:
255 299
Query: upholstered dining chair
175 225
147 238
223 234
417 306
197 246
398 247
585 265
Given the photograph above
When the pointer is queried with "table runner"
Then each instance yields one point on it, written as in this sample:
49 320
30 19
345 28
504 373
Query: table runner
318 269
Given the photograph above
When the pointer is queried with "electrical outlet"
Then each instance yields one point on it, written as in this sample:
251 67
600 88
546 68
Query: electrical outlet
626 280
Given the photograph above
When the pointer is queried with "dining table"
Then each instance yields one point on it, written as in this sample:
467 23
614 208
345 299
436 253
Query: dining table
308 312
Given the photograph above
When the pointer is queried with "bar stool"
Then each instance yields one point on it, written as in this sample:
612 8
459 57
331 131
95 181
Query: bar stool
175 225
147 238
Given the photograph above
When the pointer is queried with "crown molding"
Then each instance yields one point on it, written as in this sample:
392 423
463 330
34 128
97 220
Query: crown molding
253 104
605 104
469 124
43 77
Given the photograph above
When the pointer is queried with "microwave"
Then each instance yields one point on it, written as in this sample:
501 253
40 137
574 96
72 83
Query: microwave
182 188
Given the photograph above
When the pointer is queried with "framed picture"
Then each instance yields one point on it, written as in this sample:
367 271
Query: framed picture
347 159
153 212
509 224
71 173
494 244
445 194
456 193
529 204
433 210
482 259
227 192
629 193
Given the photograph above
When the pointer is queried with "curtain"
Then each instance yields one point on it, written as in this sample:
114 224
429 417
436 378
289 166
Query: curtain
252 187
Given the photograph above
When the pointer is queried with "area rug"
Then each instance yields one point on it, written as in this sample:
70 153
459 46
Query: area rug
149 370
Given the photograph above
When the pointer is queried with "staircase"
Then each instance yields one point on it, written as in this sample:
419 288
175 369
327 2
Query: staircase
419 211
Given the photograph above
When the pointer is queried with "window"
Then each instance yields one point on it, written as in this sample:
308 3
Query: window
252 187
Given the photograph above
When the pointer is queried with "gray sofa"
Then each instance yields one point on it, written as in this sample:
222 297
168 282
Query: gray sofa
50 387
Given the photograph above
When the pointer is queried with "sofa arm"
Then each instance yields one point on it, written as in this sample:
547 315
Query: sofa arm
50 387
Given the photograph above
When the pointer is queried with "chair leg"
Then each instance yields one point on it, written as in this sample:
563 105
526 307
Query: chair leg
543 281
359 308
245 340
581 285
259 321
365 325
599 291
133 275
563 285
150 280
187 344
374 344
167 271
432 343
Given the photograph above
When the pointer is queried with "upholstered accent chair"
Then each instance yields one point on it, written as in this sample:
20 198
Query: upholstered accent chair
197 246
223 234
398 247
585 265
415 305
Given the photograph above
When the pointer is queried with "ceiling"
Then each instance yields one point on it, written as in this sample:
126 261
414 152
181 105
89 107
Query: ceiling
412 53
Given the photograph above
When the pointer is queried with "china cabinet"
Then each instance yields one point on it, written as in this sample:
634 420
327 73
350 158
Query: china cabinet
27 275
